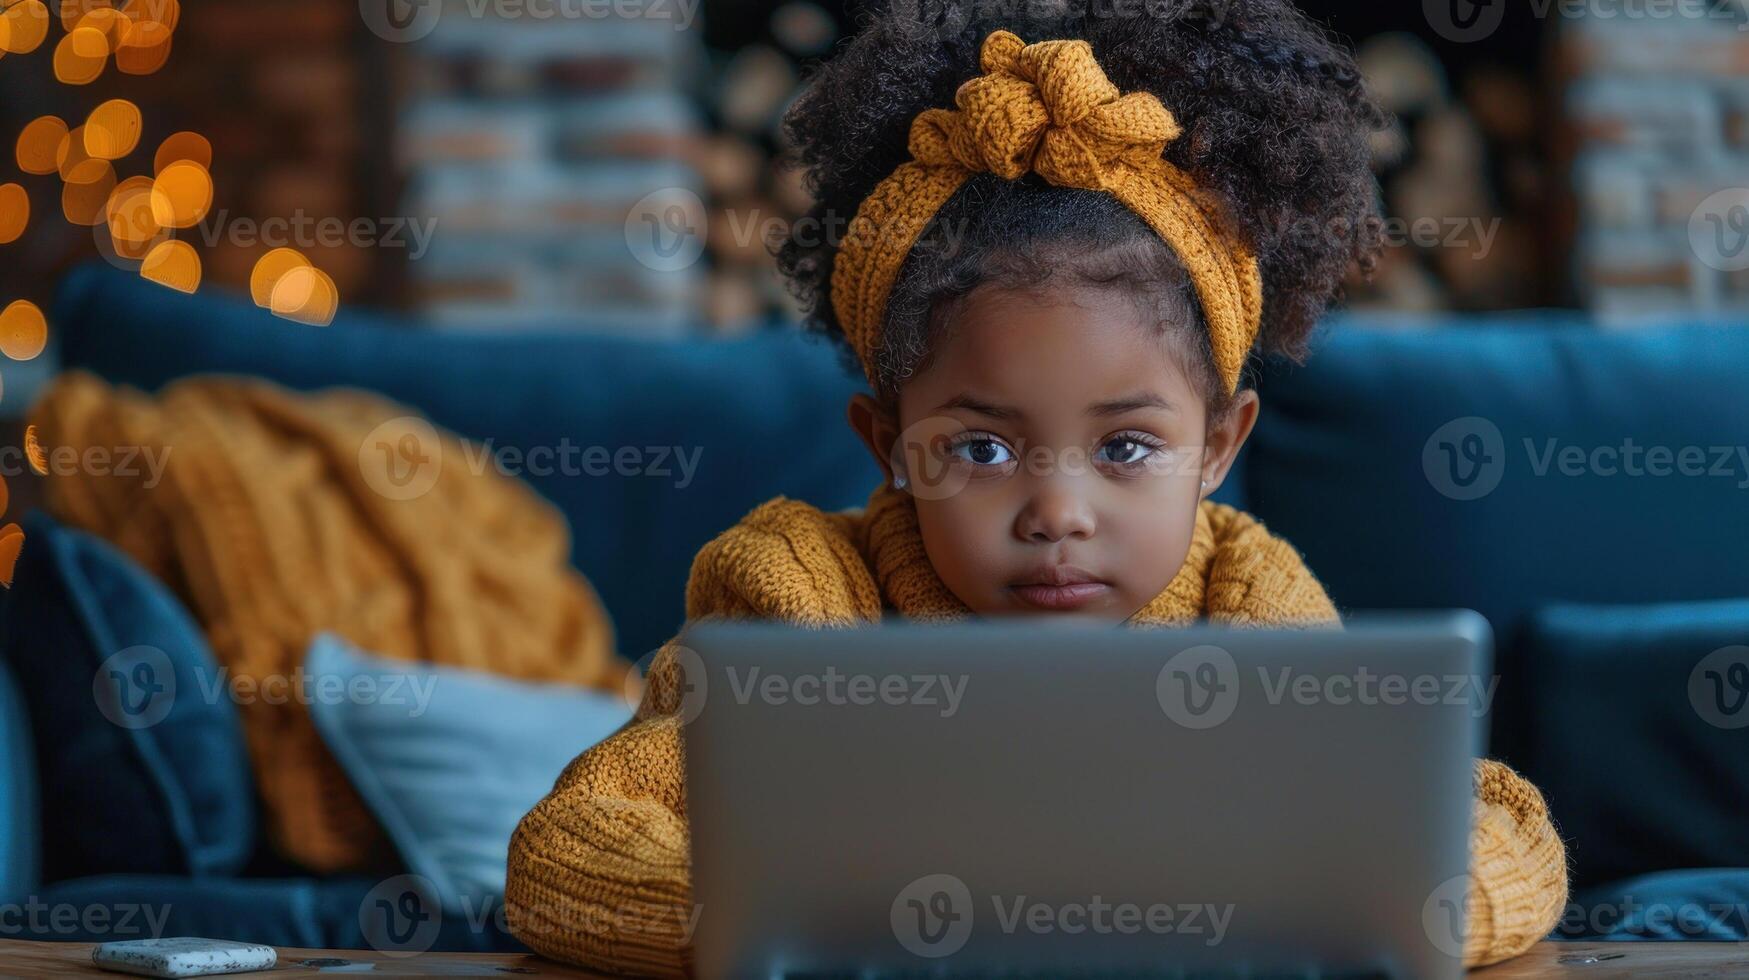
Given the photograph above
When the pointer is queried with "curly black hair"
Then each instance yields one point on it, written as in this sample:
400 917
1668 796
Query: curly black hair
1276 121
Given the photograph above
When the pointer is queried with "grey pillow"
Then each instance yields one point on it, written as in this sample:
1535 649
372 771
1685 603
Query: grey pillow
449 760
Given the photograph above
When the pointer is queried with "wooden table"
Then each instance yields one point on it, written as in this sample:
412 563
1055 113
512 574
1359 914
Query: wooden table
1569 961
1585 961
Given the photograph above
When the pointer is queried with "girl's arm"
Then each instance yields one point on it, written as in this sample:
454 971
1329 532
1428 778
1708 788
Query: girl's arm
1518 867
599 871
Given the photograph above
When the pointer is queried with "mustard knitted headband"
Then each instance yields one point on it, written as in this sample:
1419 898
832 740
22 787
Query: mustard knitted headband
1048 108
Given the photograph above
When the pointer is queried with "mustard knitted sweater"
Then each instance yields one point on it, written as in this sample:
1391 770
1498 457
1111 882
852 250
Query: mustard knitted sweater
599 870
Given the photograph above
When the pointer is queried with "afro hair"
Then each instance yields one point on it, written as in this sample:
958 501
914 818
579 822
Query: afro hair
1276 122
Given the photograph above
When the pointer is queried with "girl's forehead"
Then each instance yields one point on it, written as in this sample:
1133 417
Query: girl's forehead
1062 330
1055 348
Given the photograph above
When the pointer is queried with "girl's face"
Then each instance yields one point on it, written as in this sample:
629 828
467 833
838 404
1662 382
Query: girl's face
1057 453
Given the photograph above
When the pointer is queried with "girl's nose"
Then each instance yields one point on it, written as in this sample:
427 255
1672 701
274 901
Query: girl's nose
1055 512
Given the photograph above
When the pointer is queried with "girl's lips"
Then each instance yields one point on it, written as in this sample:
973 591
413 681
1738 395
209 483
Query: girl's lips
1060 597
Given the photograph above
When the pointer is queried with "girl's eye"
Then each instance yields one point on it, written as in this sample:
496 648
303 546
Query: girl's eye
1128 451
982 451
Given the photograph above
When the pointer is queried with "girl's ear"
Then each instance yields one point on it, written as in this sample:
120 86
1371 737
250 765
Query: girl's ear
878 428
1225 437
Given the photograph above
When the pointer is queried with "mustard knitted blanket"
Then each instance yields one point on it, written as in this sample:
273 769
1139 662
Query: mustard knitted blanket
599 870
270 522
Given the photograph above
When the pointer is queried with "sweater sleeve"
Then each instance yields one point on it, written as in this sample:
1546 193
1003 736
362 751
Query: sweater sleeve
599 870
1518 867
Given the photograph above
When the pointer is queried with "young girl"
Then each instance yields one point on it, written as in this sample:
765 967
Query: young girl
1068 235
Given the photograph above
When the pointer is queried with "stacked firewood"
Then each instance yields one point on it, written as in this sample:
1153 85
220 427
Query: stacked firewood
1464 192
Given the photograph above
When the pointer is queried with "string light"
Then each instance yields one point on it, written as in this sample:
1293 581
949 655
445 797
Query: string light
23 330
113 129
269 269
24 27
139 213
81 56
305 294
14 212
173 264
38 144
183 146
11 543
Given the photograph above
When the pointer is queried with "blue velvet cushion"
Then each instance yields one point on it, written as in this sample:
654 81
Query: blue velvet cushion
449 760
20 835
667 443
1641 725
1413 469
1704 904
141 756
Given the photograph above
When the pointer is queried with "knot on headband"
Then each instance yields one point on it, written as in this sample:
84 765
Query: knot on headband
1048 108
1044 108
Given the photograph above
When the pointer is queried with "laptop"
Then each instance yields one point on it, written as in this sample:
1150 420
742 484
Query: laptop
1046 798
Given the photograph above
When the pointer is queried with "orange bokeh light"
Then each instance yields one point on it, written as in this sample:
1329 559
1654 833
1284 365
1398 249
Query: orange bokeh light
11 543
144 50
181 194
24 331
166 12
70 155
39 144
82 201
133 231
114 24
14 212
307 295
26 25
113 129
91 171
74 11
269 269
80 56
33 450
173 264
183 146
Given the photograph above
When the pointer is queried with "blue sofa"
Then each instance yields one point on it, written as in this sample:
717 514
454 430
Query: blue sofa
1417 465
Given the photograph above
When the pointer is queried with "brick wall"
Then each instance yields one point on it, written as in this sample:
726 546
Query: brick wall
1657 134
532 144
